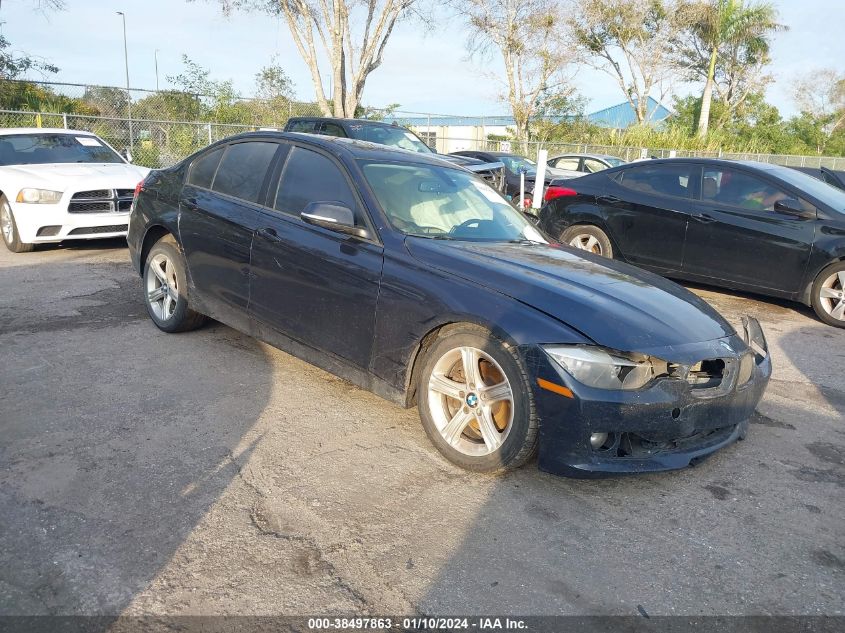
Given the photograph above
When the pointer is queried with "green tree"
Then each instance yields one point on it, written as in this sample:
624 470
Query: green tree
731 39
633 42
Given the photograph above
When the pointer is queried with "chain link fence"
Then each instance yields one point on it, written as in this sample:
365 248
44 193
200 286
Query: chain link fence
162 127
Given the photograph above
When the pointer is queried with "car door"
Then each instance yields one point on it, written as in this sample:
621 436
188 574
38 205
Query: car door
647 207
218 213
310 283
737 235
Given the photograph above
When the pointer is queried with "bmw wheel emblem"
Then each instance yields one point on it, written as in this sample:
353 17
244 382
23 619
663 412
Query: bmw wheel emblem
472 400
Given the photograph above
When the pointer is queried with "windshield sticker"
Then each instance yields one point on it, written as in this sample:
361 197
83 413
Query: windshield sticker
88 141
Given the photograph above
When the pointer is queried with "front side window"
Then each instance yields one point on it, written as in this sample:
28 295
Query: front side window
591 165
741 189
443 203
311 177
662 180
42 149
243 168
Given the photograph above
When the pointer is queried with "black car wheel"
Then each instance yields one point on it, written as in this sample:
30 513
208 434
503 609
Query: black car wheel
10 230
587 237
475 401
166 288
828 295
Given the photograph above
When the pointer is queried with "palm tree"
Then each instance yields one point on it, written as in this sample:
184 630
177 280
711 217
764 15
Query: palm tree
733 23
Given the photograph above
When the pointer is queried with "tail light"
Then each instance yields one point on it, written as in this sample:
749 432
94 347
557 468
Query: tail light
554 191
138 188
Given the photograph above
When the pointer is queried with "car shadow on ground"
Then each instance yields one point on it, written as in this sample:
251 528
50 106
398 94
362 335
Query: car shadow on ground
83 245
117 438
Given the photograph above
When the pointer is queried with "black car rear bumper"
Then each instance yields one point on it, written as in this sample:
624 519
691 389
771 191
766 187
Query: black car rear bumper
666 426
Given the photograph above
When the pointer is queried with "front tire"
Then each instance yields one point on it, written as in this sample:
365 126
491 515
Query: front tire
475 402
166 288
587 237
828 295
11 237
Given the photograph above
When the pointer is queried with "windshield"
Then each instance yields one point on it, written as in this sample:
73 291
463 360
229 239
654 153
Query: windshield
391 135
41 149
830 195
517 164
443 203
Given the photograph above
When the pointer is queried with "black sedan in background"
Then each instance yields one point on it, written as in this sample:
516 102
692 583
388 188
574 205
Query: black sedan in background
413 278
514 166
742 225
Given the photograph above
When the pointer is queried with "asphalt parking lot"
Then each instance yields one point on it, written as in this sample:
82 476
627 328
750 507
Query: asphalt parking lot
204 473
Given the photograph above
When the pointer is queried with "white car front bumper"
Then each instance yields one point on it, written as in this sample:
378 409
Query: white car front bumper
40 223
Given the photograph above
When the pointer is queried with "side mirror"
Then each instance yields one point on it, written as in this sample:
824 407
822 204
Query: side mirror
127 155
791 206
334 216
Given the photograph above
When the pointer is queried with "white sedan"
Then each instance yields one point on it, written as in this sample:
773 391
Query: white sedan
60 185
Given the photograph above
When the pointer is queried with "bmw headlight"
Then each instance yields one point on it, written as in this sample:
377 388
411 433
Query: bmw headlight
38 196
606 369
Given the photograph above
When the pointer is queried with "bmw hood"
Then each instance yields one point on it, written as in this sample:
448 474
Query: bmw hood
612 303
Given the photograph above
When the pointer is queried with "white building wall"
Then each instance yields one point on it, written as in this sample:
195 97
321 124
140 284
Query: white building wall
454 138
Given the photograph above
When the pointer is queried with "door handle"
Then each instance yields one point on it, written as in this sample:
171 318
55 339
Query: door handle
704 218
608 199
269 234
191 203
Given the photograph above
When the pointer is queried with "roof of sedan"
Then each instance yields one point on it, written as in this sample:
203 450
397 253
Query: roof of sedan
42 130
727 162
599 156
358 149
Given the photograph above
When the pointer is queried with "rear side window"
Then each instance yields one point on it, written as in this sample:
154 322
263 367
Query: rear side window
311 177
567 162
243 169
203 168
663 180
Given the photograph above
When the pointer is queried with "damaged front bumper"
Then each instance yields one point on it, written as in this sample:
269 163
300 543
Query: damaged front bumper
669 424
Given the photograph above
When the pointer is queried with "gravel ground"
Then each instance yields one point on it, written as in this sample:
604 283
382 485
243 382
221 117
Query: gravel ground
207 473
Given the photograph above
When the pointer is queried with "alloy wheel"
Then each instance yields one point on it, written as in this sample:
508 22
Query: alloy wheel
471 401
586 242
162 286
832 295
6 222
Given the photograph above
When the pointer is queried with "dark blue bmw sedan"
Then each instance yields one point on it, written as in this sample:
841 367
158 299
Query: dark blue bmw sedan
411 277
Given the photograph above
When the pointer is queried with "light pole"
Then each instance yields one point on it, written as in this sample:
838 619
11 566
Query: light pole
156 58
128 95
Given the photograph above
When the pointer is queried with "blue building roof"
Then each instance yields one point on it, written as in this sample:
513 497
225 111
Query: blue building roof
620 116
623 116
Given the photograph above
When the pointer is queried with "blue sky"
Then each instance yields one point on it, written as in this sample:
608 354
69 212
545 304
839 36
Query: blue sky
424 72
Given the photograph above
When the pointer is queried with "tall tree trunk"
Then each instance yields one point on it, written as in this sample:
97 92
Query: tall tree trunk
707 96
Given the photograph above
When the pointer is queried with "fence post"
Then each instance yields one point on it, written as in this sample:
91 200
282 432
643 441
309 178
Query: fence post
64 119
208 126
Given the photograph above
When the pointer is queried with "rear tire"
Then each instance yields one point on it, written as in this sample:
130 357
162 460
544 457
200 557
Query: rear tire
587 237
166 288
476 403
828 295
11 237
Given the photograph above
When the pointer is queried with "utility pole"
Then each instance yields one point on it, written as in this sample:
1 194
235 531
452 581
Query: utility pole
156 58
128 95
